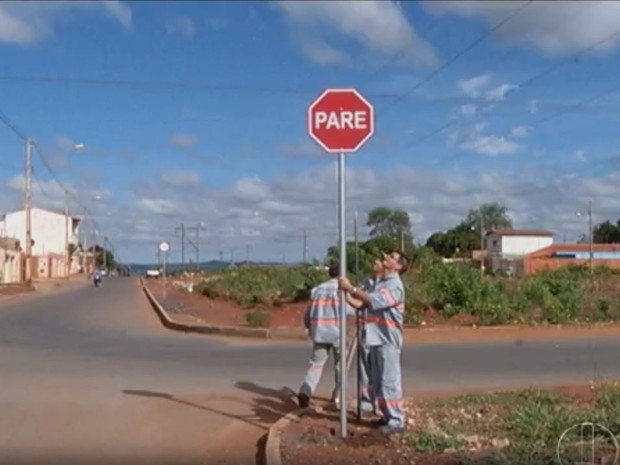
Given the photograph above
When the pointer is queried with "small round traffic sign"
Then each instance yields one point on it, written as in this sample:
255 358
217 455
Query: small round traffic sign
164 247
341 120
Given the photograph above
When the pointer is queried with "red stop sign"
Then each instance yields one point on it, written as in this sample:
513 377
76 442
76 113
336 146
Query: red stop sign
341 120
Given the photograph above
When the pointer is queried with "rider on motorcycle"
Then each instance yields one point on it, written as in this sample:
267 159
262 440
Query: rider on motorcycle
96 276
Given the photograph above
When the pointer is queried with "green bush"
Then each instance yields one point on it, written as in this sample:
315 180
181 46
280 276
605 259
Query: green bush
264 286
258 319
452 290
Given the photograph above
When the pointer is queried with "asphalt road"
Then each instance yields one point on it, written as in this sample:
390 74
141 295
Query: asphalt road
90 376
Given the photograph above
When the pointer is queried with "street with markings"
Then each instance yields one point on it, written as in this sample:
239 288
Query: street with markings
91 376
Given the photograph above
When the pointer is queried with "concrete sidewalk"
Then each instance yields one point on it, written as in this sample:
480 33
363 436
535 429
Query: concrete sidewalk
43 288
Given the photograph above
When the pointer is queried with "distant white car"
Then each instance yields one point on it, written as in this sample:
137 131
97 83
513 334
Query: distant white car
152 273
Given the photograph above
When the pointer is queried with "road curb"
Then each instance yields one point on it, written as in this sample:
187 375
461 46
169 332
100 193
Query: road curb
272 445
232 331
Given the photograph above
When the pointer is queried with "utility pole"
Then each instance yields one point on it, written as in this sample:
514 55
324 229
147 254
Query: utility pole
247 254
402 241
196 245
67 251
28 208
221 255
105 252
182 229
305 251
357 249
232 256
590 232
482 254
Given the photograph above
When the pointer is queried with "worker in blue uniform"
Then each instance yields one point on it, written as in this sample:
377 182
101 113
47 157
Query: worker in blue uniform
385 306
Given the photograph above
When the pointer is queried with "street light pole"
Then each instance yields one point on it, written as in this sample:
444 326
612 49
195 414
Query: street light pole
590 231
67 251
28 209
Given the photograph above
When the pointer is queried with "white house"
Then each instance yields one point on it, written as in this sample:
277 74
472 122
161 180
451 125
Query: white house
504 245
48 230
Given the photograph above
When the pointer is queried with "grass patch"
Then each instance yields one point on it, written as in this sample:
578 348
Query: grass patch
258 318
523 427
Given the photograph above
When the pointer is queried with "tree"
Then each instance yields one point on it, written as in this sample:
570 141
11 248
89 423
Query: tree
384 221
365 258
494 215
100 253
606 233
390 229
465 237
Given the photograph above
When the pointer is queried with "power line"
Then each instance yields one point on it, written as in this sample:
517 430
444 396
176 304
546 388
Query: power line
12 126
554 115
523 84
456 57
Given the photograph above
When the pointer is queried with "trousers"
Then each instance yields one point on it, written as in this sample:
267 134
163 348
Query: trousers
320 354
368 393
386 378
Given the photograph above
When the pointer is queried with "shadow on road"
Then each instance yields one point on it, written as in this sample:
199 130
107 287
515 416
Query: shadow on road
249 419
270 404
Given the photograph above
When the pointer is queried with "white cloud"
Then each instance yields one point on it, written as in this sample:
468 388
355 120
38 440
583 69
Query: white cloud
474 86
49 194
473 139
520 131
272 214
581 155
306 148
533 106
322 53
379 26
182 140
491 145
181 25
497 94
552 27
180 179
156 206
468 110
26 23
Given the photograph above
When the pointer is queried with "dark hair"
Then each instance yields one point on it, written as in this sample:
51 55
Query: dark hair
334 270
403 261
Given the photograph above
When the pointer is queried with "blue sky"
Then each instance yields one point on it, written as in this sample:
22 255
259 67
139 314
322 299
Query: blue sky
195 112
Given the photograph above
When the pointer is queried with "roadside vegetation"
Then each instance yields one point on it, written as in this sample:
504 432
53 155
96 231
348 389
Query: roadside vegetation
520 428
446 293
438 292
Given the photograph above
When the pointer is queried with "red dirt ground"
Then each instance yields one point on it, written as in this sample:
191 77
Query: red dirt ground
225 313
435 329
315 438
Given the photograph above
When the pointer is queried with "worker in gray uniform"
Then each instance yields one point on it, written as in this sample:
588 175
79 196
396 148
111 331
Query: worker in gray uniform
322 320
368 402
384 337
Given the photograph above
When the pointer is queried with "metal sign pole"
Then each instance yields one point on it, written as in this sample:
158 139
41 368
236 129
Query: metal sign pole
358 326
343 301
164 273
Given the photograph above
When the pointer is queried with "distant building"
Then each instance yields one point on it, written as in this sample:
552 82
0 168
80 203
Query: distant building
506 247
560 255
11 261
48 230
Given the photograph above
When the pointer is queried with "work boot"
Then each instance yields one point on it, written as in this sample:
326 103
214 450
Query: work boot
304 400
379 423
